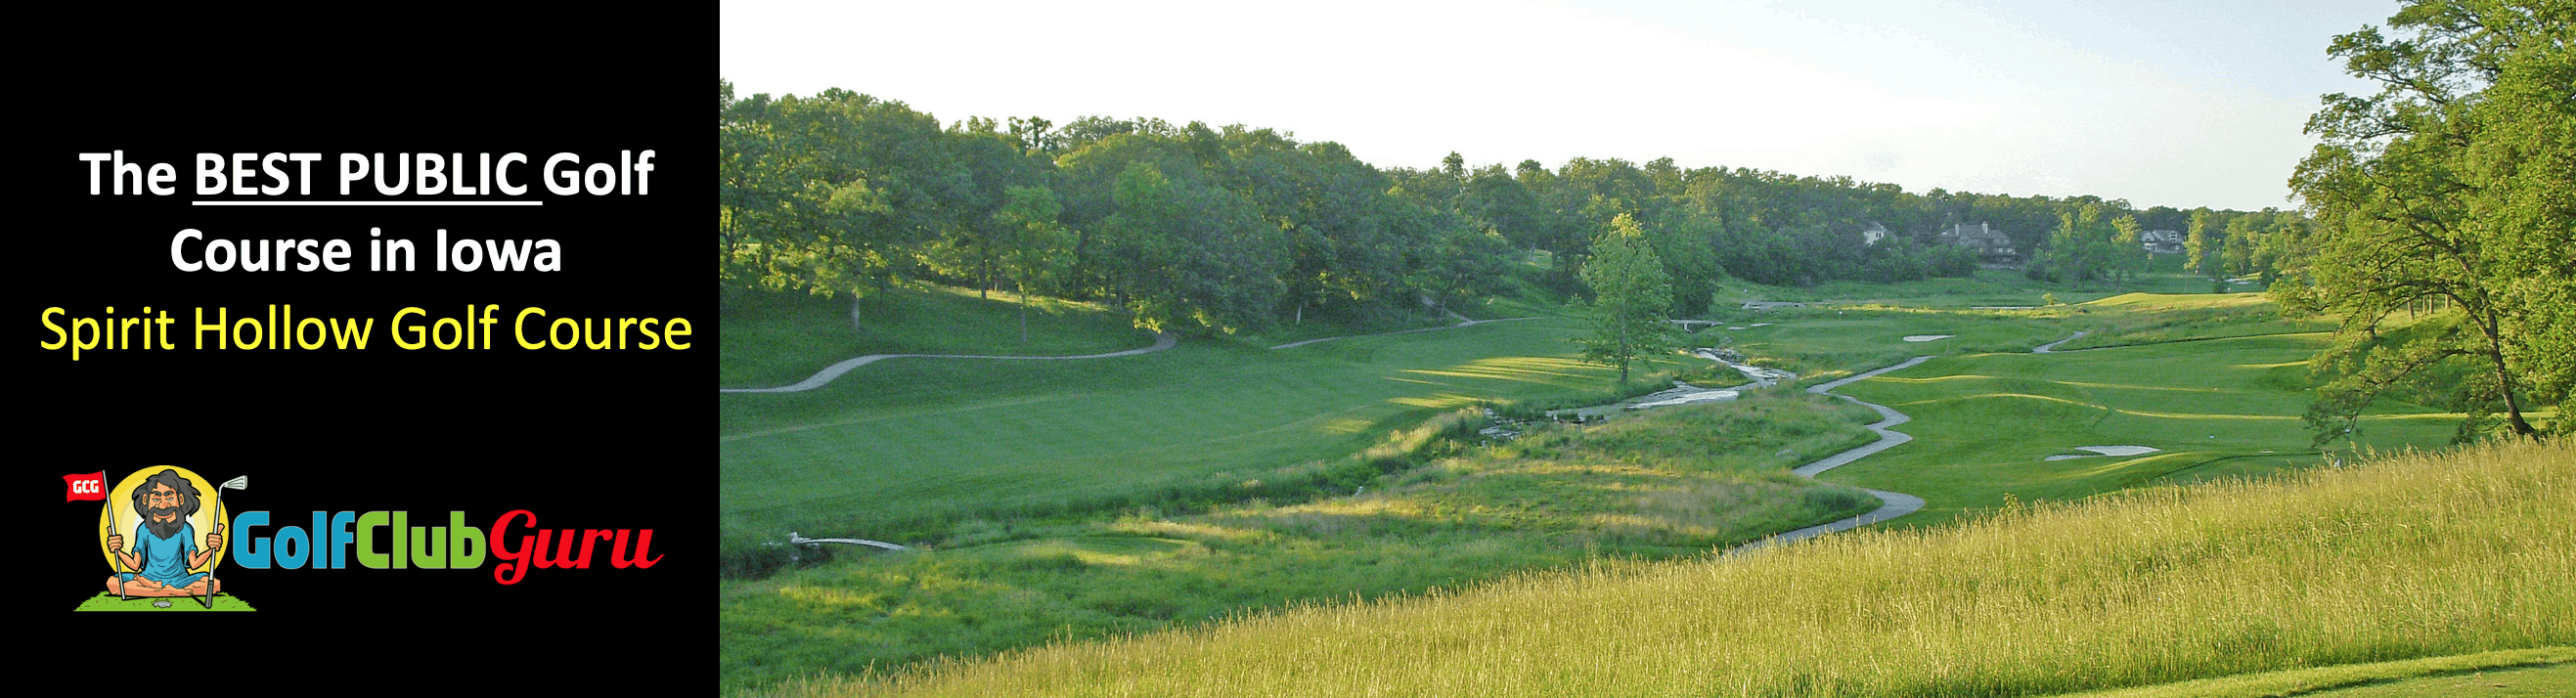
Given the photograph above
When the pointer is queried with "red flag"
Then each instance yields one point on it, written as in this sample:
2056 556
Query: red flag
92 487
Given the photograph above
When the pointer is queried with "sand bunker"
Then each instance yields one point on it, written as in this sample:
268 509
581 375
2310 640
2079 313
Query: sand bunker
2106 451
1927 337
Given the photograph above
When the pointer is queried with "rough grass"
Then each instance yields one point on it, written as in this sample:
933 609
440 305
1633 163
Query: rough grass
2404 557
1669 483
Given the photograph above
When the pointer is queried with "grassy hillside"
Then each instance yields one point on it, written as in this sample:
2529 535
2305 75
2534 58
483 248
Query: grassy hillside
1822 344
912 440
1984 424
1665 484
1085 500
1988 287
2410 556
780 338
2141 318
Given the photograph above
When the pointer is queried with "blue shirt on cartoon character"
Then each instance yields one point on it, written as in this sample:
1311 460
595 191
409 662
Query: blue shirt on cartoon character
165 560
165 544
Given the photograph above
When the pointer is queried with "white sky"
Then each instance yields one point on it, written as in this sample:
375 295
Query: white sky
2191 103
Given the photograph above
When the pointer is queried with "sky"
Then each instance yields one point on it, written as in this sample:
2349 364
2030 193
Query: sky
2183 104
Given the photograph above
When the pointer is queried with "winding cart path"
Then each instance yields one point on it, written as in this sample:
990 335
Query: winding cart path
2051 347
1891 504
1162 341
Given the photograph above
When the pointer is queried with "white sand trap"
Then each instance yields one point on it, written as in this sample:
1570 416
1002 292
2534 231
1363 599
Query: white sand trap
1735 328
1927 337
1759 324
2108 451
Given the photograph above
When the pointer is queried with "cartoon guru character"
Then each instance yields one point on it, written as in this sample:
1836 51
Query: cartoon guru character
164 544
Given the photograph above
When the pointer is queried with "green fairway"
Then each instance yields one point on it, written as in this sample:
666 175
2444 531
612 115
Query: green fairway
917 439
1984 424
2139 318
2533 673
2538 682
1824 344
110 602
1989 287
779 338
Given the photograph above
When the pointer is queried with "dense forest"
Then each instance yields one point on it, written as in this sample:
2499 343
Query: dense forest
1218 229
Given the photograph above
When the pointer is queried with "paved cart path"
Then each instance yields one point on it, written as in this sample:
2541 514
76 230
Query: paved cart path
2051 347
1891 504
1162 341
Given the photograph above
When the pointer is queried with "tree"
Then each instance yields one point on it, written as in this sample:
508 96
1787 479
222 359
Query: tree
2239 252
2452 186
1631 296
2199 257
832 193
1034 249
2130 257
2081 249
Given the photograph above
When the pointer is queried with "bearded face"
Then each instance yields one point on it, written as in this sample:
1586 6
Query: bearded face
168 496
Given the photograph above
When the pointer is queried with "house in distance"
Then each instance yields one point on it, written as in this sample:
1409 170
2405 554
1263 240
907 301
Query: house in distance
1991 245
2161 241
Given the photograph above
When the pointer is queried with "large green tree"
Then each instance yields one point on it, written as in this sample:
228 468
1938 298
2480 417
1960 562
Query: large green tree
2201 252
1033 249
1631 298
2454 187
2128 257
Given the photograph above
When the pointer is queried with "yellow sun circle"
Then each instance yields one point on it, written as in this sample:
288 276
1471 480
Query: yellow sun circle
119 516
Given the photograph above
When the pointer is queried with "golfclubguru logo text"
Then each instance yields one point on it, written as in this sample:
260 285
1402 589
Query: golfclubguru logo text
453 546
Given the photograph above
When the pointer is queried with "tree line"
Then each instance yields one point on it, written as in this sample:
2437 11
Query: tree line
1187 227
1190 227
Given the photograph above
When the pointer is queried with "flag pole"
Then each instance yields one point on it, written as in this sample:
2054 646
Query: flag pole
112 559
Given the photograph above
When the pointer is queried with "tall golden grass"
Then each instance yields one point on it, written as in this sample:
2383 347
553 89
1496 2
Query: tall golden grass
2406 556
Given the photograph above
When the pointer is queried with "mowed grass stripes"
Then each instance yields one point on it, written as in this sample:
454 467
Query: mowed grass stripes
1984 424
925 436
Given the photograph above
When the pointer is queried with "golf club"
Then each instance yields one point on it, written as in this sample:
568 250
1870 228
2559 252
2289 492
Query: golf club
238 483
